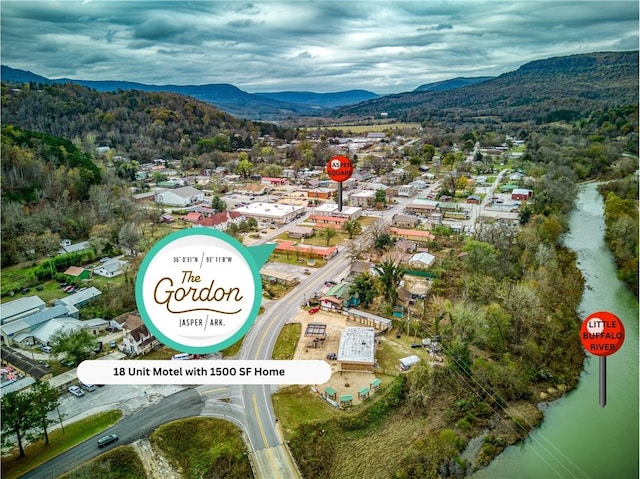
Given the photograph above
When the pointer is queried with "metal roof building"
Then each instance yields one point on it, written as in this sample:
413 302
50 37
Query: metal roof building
357 349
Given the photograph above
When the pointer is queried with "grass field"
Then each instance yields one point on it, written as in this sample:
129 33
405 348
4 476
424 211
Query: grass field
287 341
120 463
203 447
75 433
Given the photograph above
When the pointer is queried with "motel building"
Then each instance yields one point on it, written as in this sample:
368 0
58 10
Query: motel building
357 349
271 212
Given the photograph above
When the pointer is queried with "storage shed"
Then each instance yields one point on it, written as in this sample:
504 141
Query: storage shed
406 363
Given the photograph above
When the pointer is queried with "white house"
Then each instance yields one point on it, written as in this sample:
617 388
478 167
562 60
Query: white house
185 196
138 341
111 268
363 199
407 190
422 259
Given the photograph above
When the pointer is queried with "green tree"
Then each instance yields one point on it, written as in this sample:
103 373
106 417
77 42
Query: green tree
244 167
76 346
352 227
364 285
383 242
380 197
389 277
158 176
17 417
45 400
218 204
329 233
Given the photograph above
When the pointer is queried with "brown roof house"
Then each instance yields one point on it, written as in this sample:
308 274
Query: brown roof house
139 341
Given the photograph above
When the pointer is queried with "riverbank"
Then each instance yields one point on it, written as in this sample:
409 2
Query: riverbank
577 434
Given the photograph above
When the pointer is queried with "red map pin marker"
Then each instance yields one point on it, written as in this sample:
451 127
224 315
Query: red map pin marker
602 334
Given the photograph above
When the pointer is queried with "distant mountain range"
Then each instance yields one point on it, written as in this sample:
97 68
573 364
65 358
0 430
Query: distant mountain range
559 88
232 100
227 97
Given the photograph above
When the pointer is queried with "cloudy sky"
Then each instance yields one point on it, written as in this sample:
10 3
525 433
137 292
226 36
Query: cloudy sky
321 46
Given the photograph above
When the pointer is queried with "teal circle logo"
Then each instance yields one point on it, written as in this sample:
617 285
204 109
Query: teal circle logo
199 290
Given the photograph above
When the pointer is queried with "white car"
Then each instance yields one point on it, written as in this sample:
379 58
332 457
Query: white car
76 391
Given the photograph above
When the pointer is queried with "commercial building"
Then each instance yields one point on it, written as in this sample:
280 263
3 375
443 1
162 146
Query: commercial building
271 212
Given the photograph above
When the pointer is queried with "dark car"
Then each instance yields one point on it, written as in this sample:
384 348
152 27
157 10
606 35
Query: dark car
330 283
332 356
106 440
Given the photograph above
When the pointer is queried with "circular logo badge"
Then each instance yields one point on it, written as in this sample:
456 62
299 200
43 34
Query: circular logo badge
198 290
339 168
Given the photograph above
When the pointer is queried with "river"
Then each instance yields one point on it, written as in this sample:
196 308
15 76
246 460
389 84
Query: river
578 438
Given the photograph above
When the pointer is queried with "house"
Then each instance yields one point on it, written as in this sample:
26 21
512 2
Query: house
252 189
67 247
334 222
405 221
421 207
363 199
127 321
274 276
185 196
298 232
474 199
192 217
521 194
339 297
407 190
419 236
138 341
305 250
360 267
111 268
221 221
77 272
405 246
422 259
357 349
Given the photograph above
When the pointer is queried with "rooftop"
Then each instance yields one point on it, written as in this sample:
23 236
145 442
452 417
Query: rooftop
19 307
268 209
357 345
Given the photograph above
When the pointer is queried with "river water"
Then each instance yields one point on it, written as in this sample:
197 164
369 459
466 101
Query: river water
578 438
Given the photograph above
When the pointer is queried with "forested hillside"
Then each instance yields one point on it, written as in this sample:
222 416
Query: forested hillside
563 88
142 125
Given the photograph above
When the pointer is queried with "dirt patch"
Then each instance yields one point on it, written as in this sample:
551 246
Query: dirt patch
155 465
344 382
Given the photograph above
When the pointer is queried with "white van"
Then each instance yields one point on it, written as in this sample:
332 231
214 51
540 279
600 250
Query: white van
45 349
88 387
181 356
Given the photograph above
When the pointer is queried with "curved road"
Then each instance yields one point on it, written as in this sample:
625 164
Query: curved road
248 406
128 430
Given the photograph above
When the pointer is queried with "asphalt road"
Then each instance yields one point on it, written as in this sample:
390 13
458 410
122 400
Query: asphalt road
129 429
249 406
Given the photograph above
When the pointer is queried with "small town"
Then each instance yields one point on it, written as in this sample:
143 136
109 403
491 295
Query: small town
320 240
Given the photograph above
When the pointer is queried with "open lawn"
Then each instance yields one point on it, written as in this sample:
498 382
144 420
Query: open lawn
75 433
296 405
291 259
287 341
